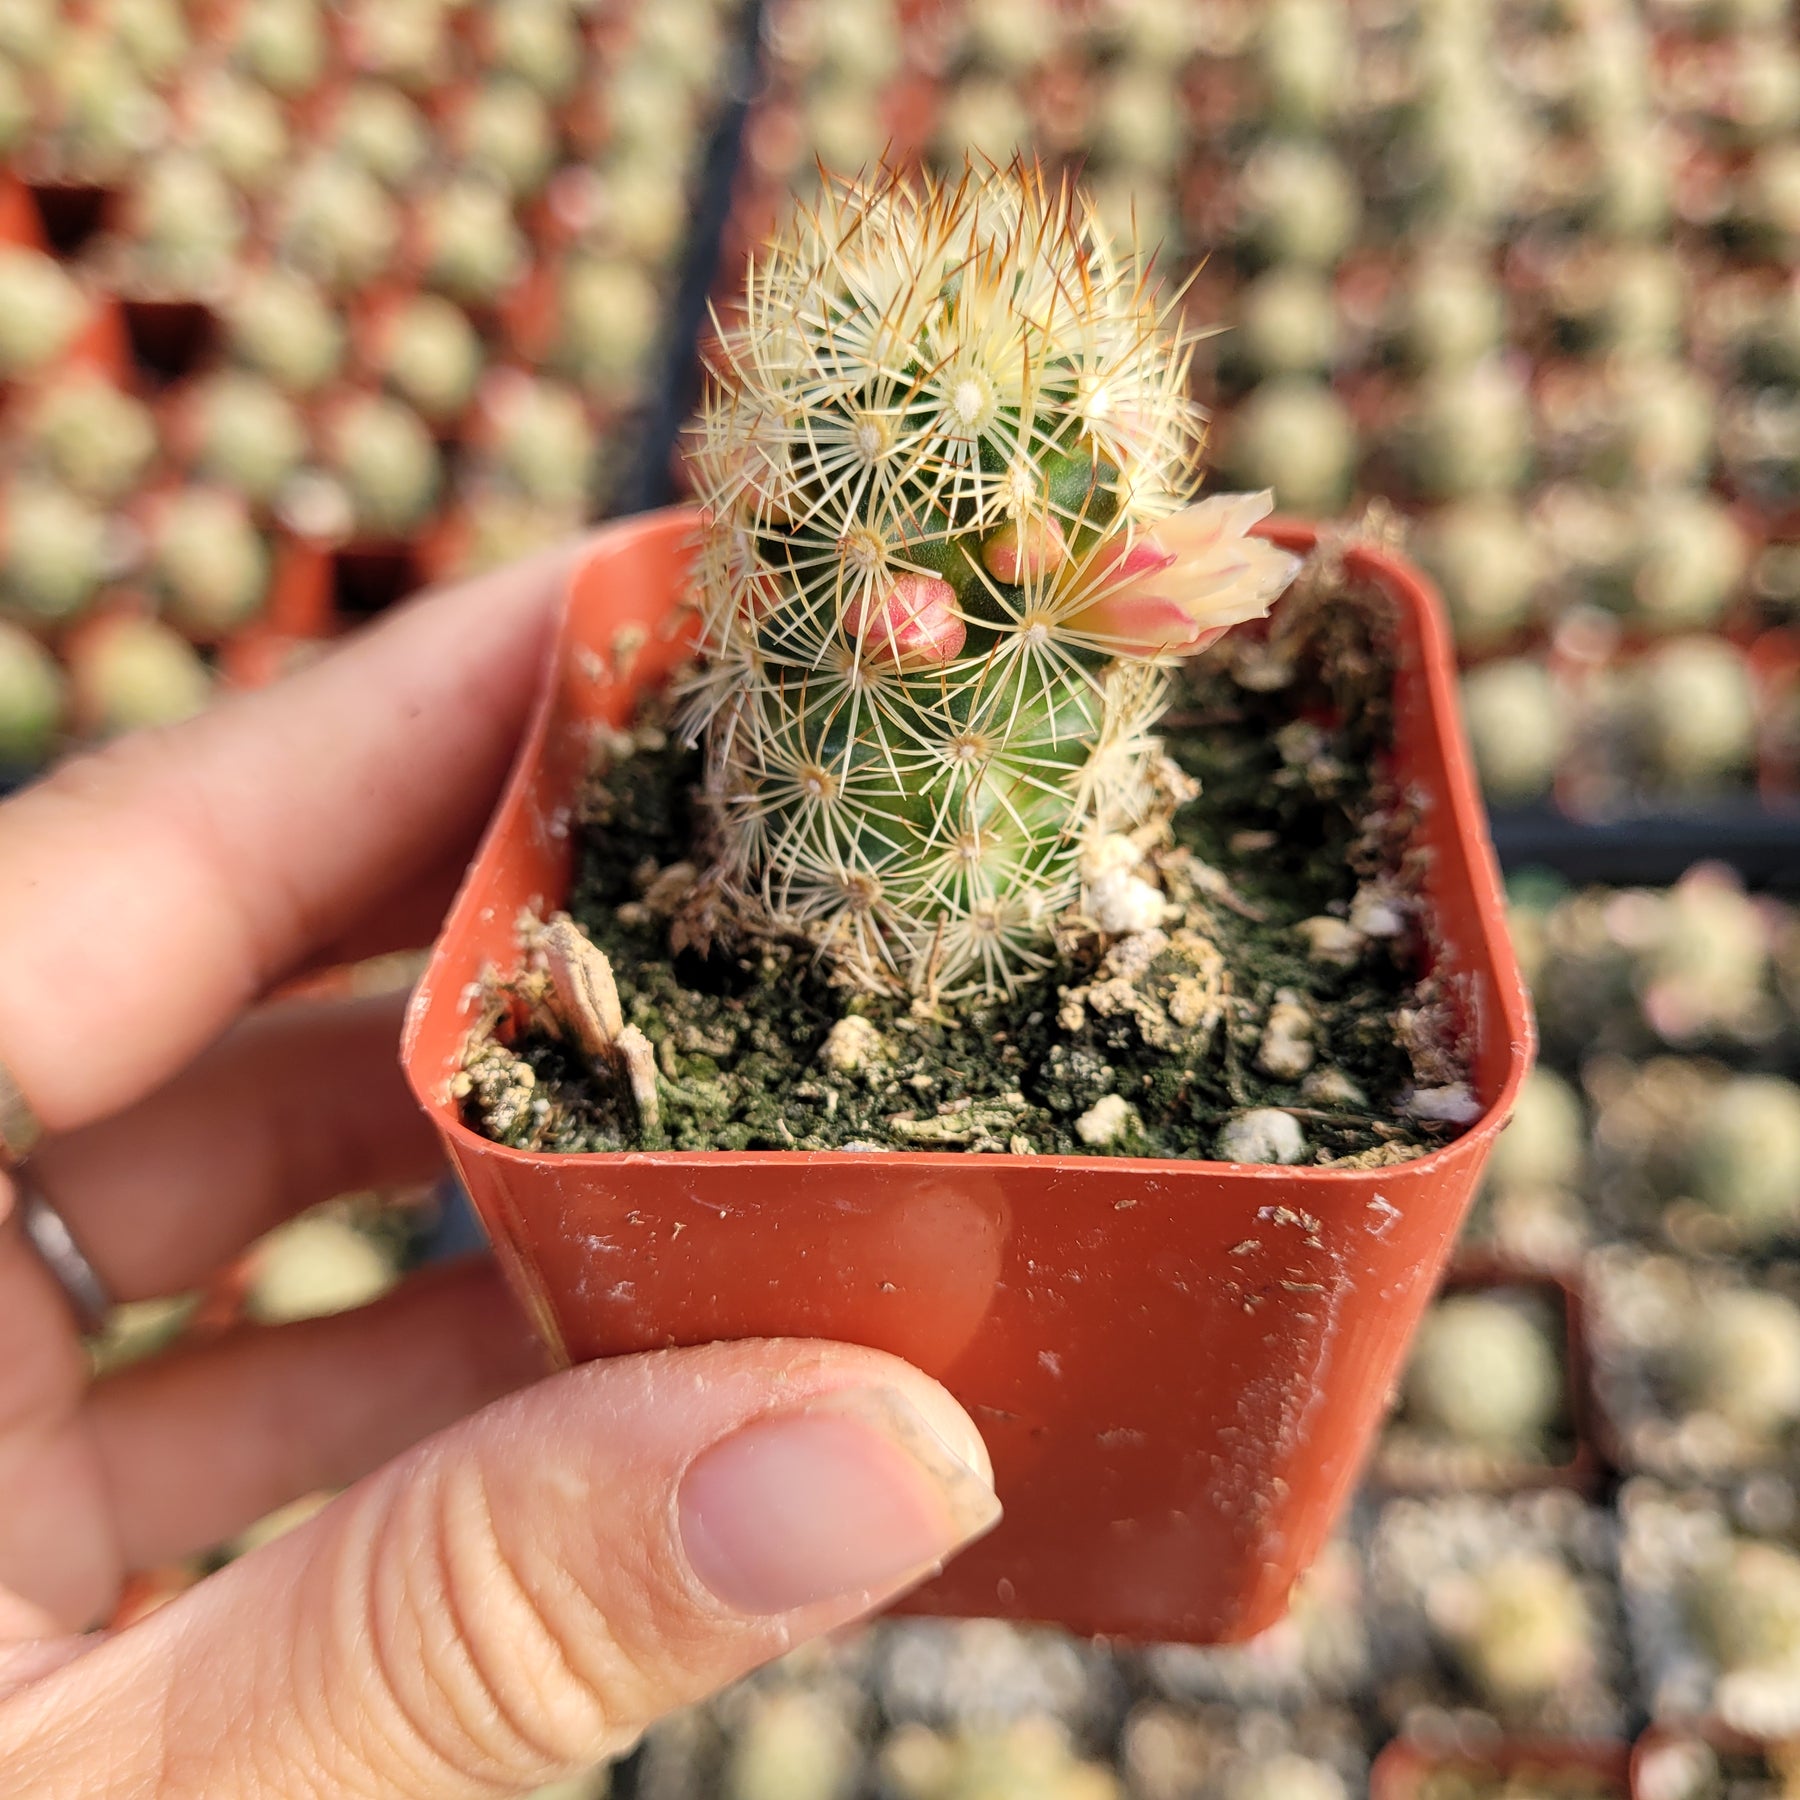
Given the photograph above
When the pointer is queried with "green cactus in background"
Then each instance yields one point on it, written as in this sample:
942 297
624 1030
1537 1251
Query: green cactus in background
948 559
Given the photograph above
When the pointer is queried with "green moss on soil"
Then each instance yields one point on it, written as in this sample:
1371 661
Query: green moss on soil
1286 738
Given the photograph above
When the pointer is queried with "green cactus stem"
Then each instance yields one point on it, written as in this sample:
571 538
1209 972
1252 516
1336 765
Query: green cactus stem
945 462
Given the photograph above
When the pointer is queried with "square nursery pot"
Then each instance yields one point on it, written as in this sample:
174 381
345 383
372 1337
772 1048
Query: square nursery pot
1407 1771
1177 1366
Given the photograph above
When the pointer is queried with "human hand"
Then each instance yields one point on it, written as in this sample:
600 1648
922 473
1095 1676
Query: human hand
513 1598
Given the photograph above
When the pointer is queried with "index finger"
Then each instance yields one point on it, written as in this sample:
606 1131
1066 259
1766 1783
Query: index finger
149 891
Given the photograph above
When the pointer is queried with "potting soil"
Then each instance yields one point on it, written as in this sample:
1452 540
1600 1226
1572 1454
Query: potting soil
1292 973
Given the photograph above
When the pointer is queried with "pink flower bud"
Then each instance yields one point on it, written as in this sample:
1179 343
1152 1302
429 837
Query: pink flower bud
915 623
1025 549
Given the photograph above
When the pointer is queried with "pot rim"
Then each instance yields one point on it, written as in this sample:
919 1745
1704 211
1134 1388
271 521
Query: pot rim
1463 804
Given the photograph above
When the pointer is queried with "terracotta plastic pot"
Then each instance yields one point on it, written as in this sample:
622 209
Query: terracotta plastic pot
1402 1769
1177 1366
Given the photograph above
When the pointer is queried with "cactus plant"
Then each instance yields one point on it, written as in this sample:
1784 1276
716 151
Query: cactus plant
1484 1372
15 107
1287 1776
152 33
542 442
247 434
104 113
471 245
431 353
537 40
1521 1628
281 324
403 41
32 700
944 462
611 317
30 30
238 127
1545 1144
41 309
338 223
1489 566
282 43
185 224
209 561
1741 1360
94 436
131 672
379 129
1287 324
1691 708
54 554
505 130
1746 1157
1516 728
387 461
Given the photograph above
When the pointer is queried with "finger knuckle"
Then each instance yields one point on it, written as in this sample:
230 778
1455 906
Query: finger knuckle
516 1667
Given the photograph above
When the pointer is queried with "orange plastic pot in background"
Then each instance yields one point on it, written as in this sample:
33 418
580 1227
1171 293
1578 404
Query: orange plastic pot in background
1177 1366
1402 1769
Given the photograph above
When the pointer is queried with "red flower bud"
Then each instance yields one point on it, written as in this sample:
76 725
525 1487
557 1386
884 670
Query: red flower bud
1024 550
915 623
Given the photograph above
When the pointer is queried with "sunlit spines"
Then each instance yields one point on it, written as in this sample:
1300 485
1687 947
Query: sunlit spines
934 457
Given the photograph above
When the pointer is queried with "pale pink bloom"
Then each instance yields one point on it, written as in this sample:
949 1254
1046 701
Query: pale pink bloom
915 622
1179 588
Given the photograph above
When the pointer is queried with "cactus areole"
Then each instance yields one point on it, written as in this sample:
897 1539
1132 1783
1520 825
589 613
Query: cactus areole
945 462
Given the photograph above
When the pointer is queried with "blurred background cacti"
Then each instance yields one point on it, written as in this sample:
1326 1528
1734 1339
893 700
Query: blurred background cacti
271 281
306 302
943 466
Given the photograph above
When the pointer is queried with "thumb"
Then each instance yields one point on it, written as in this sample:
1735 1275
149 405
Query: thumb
521 1596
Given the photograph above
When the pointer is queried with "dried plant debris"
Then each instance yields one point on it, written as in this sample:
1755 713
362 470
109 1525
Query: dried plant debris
1712 1590
1697 1368
1319 1652
1256 991
1486 1400
1503 1610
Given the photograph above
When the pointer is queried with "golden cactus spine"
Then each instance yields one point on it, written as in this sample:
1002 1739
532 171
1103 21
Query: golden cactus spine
944 462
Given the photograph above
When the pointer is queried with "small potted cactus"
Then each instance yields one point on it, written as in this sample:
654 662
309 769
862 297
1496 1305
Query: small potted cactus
895 1010
1499 1610
1714 1598
1492 1396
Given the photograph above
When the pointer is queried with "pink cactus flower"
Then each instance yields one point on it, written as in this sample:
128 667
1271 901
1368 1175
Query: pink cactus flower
1181 587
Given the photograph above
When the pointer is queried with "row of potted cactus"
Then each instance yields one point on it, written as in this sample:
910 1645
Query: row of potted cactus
370 296
1576 382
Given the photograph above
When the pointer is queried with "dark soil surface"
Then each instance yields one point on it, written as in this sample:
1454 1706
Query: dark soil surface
1237 1003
